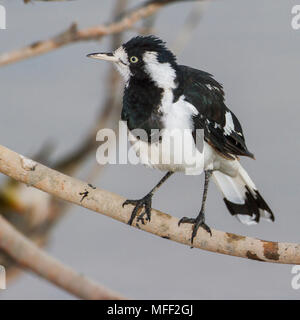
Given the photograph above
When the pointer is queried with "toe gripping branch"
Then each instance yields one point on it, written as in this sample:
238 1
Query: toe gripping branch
197 223
200 219
141 206
145 203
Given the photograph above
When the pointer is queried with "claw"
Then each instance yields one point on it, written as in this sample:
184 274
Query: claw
125 203
196 226
185 220
197 223
139 204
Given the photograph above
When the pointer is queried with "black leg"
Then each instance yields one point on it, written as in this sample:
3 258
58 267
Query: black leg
200 220
145 202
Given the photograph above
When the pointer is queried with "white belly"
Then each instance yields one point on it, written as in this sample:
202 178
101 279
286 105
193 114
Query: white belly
175 151
171 155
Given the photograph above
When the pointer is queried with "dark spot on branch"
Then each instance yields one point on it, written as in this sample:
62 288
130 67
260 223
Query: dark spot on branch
234 237
271 250
91 186
83 194
253 256
35 44
165 237
67 36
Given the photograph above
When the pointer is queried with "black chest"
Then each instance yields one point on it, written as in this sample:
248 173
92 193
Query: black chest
141 101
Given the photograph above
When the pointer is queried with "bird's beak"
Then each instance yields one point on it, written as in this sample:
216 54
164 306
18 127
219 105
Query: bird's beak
108 56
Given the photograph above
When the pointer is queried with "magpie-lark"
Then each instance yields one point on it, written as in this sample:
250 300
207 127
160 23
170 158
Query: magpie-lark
161 94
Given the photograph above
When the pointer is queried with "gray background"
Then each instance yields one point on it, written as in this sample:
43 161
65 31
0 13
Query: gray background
251 48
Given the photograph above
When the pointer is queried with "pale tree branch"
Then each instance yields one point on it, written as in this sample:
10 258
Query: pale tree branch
72 34
162 224
28 255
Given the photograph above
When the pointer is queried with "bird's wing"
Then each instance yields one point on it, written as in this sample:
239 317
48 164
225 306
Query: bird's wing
222 129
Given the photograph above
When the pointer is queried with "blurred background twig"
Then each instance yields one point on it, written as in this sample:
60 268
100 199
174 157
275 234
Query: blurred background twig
73 34
28 255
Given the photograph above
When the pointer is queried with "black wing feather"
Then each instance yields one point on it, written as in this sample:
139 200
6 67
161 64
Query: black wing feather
207 95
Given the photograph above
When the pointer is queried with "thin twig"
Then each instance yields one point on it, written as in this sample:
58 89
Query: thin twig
162 224
72 34
28 255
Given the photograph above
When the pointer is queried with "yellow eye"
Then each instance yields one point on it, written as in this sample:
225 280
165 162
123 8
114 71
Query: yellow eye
134 59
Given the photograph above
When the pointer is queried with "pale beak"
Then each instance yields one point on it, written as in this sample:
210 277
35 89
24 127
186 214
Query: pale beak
103 56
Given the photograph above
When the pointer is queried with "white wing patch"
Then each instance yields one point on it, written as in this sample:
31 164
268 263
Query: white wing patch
229 126
216 125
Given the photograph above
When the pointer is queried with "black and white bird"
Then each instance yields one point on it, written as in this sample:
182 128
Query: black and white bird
161 94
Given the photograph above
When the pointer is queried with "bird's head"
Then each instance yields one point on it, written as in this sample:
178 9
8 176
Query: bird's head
143 58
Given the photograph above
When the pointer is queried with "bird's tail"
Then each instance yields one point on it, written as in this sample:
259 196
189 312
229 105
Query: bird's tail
242 198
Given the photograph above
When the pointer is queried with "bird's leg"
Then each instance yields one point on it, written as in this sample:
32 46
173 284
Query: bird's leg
145 203
200 220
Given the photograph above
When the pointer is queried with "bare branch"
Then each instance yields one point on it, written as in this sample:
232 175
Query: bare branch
163 225
28 255
72 34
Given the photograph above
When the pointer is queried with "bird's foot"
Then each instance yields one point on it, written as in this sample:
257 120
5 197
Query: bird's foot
197 222
144 203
